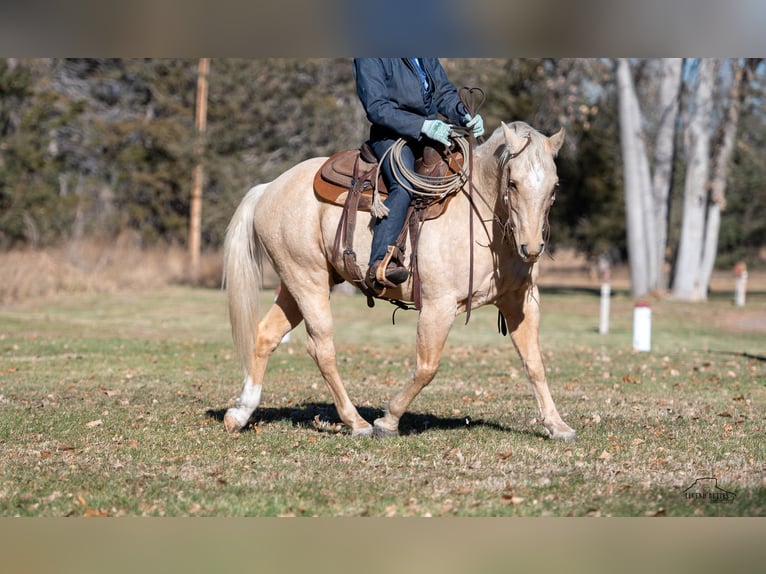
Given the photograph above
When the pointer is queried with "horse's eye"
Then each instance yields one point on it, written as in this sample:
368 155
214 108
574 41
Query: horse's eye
511 184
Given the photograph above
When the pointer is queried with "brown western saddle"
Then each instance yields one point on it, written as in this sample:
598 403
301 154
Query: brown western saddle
347 179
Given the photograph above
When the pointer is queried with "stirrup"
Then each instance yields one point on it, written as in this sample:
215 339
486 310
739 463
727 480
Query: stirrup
390 271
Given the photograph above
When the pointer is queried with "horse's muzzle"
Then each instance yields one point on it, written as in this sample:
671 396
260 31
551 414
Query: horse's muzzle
530 256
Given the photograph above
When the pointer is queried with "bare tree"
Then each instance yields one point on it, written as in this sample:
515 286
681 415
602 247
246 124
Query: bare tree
664 155
686 284
724 148
195 215
709 155
636 177
647 186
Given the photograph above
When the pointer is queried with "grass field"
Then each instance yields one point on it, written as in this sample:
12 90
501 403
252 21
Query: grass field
111 405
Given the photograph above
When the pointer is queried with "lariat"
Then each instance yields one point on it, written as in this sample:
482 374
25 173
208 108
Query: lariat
433 188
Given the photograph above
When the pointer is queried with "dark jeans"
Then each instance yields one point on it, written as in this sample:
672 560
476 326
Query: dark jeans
386 229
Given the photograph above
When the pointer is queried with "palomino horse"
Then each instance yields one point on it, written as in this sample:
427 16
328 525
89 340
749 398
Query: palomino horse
514 183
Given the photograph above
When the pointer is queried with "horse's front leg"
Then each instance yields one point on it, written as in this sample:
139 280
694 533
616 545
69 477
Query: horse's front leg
522 314
433 327
320 345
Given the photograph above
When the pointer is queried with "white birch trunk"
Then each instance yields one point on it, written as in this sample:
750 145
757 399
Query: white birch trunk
717 200
668 104
686 284
639 223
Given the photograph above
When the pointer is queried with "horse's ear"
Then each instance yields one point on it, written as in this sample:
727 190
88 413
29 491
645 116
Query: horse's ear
515 141
556 141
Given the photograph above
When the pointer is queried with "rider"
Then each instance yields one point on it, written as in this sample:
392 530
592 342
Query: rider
403 98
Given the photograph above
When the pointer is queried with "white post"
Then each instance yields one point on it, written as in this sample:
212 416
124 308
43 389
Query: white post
740 288
603 323
642 326
604 268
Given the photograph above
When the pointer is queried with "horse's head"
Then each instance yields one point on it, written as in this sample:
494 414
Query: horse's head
528 183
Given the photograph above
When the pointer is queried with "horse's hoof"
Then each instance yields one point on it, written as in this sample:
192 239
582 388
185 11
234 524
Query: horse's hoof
231 423
364 431
567 436
379 431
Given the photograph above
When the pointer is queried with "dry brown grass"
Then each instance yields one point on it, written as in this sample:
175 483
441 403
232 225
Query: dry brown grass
91 267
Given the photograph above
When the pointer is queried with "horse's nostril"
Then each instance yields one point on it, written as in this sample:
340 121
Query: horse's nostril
542 248
524 250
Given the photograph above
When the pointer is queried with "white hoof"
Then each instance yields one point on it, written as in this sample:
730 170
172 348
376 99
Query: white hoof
232 421
365 431
569 436
559 430
382 432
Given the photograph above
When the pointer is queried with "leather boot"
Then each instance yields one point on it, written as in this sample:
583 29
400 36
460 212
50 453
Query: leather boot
394 275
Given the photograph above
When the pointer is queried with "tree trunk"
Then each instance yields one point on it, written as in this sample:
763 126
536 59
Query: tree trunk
664 152
687 279
640 227
725 148
195 207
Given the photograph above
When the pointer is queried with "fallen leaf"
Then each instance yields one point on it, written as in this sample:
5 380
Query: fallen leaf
93 424
637 441
605 455
724 414
327 426
505 455
455 453
658 512
512 499
95 513
448 506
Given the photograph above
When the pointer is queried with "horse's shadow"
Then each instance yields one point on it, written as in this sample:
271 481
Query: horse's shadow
305 416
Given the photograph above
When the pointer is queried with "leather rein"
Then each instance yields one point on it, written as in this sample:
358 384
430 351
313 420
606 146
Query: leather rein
472 99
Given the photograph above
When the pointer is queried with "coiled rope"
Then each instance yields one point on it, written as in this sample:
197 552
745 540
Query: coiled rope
433 187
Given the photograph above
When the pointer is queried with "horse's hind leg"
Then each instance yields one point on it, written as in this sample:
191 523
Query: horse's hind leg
280 319
523 318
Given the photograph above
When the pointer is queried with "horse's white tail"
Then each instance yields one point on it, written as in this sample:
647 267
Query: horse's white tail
242 272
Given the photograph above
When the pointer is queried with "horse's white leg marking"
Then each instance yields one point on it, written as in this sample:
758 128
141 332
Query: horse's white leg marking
433 327
236 417
524 323
280 318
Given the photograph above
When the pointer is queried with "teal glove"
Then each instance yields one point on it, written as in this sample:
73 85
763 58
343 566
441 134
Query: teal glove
437 130
476 123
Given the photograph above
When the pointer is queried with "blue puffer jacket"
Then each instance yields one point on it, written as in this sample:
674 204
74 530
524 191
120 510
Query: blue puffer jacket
392 95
